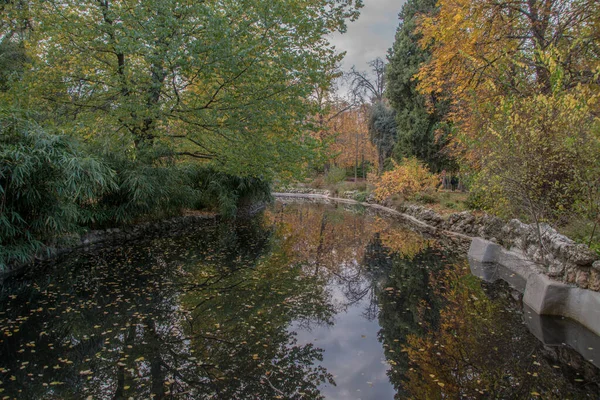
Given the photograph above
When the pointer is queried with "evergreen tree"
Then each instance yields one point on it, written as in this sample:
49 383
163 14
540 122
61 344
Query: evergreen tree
418 116
383 131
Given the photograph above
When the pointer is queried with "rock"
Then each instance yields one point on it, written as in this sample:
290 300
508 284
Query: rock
580 254
571 274
582 279
596 265
594 281
555 268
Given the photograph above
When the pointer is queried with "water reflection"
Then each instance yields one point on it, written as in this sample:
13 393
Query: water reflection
200 316
480 349
305 302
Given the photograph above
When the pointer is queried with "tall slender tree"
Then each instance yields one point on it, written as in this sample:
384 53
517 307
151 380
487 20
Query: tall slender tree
418 115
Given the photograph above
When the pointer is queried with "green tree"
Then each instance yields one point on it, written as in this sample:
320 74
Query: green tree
418 116
383 131
223 81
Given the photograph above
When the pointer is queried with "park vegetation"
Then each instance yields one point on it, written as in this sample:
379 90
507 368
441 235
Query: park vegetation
116 111
501 99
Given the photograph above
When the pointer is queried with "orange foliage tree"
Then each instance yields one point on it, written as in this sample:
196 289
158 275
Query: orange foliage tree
351 144
341 127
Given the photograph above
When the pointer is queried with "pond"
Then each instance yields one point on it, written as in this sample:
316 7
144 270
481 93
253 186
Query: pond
305 301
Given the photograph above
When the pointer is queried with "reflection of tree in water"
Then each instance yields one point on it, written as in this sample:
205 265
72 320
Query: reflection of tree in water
479 349
200 316
334 242
208 315
373 261
328 241
407 302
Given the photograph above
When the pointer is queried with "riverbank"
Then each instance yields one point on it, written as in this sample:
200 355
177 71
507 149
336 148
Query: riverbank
114 236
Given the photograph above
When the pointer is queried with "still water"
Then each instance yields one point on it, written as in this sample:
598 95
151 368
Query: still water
305 301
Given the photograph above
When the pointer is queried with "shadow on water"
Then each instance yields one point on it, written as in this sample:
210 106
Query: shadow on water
306 301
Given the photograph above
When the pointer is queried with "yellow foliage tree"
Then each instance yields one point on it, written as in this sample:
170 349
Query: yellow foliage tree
523 80
407 179
485 50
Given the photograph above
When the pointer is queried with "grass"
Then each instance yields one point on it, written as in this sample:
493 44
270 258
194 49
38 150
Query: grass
583 231
445 202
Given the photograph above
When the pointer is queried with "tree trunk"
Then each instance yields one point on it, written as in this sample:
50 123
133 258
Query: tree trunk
356 162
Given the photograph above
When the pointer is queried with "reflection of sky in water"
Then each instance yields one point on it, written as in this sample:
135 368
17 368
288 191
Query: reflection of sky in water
352 353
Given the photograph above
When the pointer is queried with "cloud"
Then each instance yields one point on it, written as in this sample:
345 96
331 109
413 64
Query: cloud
371 35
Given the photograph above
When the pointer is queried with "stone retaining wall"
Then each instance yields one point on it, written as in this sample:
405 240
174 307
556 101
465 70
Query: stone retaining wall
544 295
557 256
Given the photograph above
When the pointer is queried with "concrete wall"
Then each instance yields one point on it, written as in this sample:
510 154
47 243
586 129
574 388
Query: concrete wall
544 295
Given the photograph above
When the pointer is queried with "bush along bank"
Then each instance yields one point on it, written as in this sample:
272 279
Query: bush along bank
54 189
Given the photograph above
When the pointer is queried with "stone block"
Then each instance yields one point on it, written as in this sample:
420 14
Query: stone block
483 251
483 270
545 295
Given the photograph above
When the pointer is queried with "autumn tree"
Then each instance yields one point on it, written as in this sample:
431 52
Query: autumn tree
352 145
341 123
523 79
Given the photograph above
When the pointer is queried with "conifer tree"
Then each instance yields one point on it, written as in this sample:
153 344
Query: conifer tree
418 116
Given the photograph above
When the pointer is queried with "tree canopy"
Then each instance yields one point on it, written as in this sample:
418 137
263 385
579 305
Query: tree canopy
219 80
522 79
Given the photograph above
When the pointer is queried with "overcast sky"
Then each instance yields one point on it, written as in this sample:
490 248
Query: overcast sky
371 35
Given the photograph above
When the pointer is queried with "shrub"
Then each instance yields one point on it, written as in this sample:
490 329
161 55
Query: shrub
407 179
361 196
450 204
335 175
425 198
318 183
544 158
148 184
227 192
151 185
44 179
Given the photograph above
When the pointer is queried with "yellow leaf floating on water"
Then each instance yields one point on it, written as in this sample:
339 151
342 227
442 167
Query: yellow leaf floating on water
255 356
441 384
139 359
536 394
